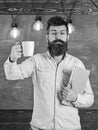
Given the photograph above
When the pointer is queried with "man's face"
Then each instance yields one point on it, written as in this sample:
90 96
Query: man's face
57 32
57 40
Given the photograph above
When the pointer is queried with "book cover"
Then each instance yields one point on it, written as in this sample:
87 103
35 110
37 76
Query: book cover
78 79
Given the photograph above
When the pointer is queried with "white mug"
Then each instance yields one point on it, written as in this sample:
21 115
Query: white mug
28 48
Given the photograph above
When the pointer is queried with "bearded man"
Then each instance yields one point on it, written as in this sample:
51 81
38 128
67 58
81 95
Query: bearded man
50 73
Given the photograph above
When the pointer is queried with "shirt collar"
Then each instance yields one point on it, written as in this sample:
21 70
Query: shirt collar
49 55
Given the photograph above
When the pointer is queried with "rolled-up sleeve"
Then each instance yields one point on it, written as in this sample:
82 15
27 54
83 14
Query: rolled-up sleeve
14 71
86 99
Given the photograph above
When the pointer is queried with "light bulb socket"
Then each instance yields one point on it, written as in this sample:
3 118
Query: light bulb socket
38 18
14 25
69 21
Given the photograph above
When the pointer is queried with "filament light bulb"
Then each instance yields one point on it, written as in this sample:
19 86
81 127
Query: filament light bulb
37 25
70 28
14 32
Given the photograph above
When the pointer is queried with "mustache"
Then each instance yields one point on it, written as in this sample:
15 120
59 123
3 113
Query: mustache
58 40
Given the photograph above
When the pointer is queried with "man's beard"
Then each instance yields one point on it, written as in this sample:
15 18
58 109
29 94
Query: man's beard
57 48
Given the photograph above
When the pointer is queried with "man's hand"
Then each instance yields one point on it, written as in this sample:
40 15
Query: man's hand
16 52
69 94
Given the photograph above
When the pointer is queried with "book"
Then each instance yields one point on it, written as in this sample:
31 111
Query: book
78 79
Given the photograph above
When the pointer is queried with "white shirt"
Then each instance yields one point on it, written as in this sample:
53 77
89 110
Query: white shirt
47 78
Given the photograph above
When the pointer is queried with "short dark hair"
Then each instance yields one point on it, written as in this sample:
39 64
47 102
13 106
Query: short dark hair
56 21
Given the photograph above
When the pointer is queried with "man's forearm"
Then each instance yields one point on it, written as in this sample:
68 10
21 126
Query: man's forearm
84 100
12 72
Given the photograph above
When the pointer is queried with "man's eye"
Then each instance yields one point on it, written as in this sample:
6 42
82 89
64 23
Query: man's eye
63 33
53 33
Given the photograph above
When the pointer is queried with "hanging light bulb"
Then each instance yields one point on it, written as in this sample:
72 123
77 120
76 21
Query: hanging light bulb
70 26
37 26
14 33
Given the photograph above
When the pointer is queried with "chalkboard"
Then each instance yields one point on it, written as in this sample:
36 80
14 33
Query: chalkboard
19 94
83 44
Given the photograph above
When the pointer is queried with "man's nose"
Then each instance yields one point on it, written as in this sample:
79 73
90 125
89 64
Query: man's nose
58 36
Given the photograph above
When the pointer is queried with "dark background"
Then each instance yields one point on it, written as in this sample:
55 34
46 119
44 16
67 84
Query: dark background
83 43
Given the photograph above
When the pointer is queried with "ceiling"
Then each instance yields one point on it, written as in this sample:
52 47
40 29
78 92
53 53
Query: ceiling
49 7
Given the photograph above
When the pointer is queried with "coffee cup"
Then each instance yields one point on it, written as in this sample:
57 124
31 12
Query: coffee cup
28 48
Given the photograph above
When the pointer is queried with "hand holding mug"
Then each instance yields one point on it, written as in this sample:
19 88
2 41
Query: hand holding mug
26 47
16 52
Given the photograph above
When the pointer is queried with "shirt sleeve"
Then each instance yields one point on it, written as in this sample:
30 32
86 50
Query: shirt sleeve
14 71
86 99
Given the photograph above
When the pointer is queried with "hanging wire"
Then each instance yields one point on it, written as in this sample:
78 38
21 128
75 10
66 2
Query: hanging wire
62 5
72 9
12 16
94 4
37 24
43 6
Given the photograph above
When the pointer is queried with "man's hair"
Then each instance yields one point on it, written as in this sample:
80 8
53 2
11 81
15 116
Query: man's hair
56 21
